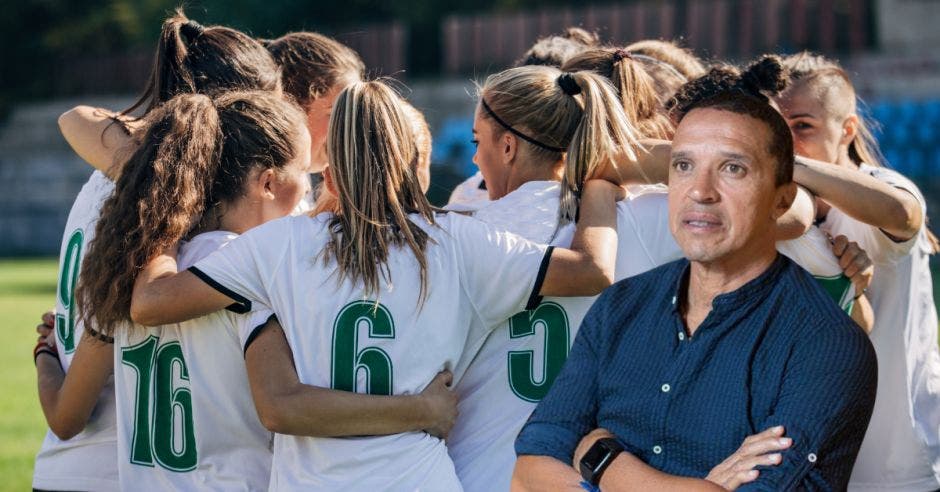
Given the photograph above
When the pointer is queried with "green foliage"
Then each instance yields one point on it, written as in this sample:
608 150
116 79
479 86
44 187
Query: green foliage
39 35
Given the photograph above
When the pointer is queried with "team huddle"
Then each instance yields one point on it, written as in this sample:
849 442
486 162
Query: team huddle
665 274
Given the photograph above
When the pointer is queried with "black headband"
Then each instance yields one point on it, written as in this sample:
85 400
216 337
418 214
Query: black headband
517 132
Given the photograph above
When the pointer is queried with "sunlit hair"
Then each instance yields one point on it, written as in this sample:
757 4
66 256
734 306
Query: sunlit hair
832 88
746 92
589 129
830 85
669 64
194 159
312 64
635 87
191 59
372 153
555 50
423 142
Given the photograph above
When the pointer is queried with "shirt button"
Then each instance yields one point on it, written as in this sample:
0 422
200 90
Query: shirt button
811 458
666 388
681 336
657 450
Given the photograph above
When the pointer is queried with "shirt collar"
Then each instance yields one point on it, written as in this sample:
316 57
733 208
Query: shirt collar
755 289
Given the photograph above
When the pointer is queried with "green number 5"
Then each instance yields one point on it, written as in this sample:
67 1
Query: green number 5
554 320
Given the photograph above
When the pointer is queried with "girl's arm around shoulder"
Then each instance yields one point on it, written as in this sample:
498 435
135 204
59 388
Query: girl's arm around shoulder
68 399
894 210
163 295
588 266
98 136
287 406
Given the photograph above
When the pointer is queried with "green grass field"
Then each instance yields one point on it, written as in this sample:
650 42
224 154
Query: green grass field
27 289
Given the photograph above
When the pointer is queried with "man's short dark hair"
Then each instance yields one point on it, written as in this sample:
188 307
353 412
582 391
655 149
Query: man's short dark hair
726 88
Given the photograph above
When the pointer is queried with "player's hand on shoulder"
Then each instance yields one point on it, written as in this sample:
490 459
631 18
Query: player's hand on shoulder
441 404
854 262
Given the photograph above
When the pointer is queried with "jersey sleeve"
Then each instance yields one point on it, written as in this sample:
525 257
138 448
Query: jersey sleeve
813 253
500 272
243 269
881 248
250 325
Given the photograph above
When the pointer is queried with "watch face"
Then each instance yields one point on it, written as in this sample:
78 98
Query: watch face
595 456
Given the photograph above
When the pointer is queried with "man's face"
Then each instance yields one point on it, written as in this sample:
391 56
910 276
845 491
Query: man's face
723 201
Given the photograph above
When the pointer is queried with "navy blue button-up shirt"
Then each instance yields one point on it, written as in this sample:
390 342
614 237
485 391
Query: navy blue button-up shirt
776 351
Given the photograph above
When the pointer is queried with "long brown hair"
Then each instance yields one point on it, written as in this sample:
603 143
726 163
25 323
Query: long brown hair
311 64
192 59
584 122
635 87
372 152
194 158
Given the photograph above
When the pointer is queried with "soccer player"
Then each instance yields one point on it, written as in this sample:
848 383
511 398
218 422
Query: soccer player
211 58
207 169
381 295
886 213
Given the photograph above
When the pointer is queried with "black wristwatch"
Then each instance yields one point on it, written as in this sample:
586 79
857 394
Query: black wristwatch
598 458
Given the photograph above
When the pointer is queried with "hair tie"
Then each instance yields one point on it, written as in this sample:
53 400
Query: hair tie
568 84
621 53
191 29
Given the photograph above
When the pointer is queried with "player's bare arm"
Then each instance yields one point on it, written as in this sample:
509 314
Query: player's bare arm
862 197
587 267
96 135
164 295
799 218
287 406
67 400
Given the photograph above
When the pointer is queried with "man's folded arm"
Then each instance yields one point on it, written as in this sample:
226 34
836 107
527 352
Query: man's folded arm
825 402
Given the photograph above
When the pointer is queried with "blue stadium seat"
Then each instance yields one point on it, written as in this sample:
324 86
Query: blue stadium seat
452 145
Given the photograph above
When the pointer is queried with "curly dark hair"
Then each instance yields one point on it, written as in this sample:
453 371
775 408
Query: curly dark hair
727 88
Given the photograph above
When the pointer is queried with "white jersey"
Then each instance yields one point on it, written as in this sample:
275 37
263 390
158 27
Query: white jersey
518 362
469 195
186 420
384 344
87 461
901 450
813 252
